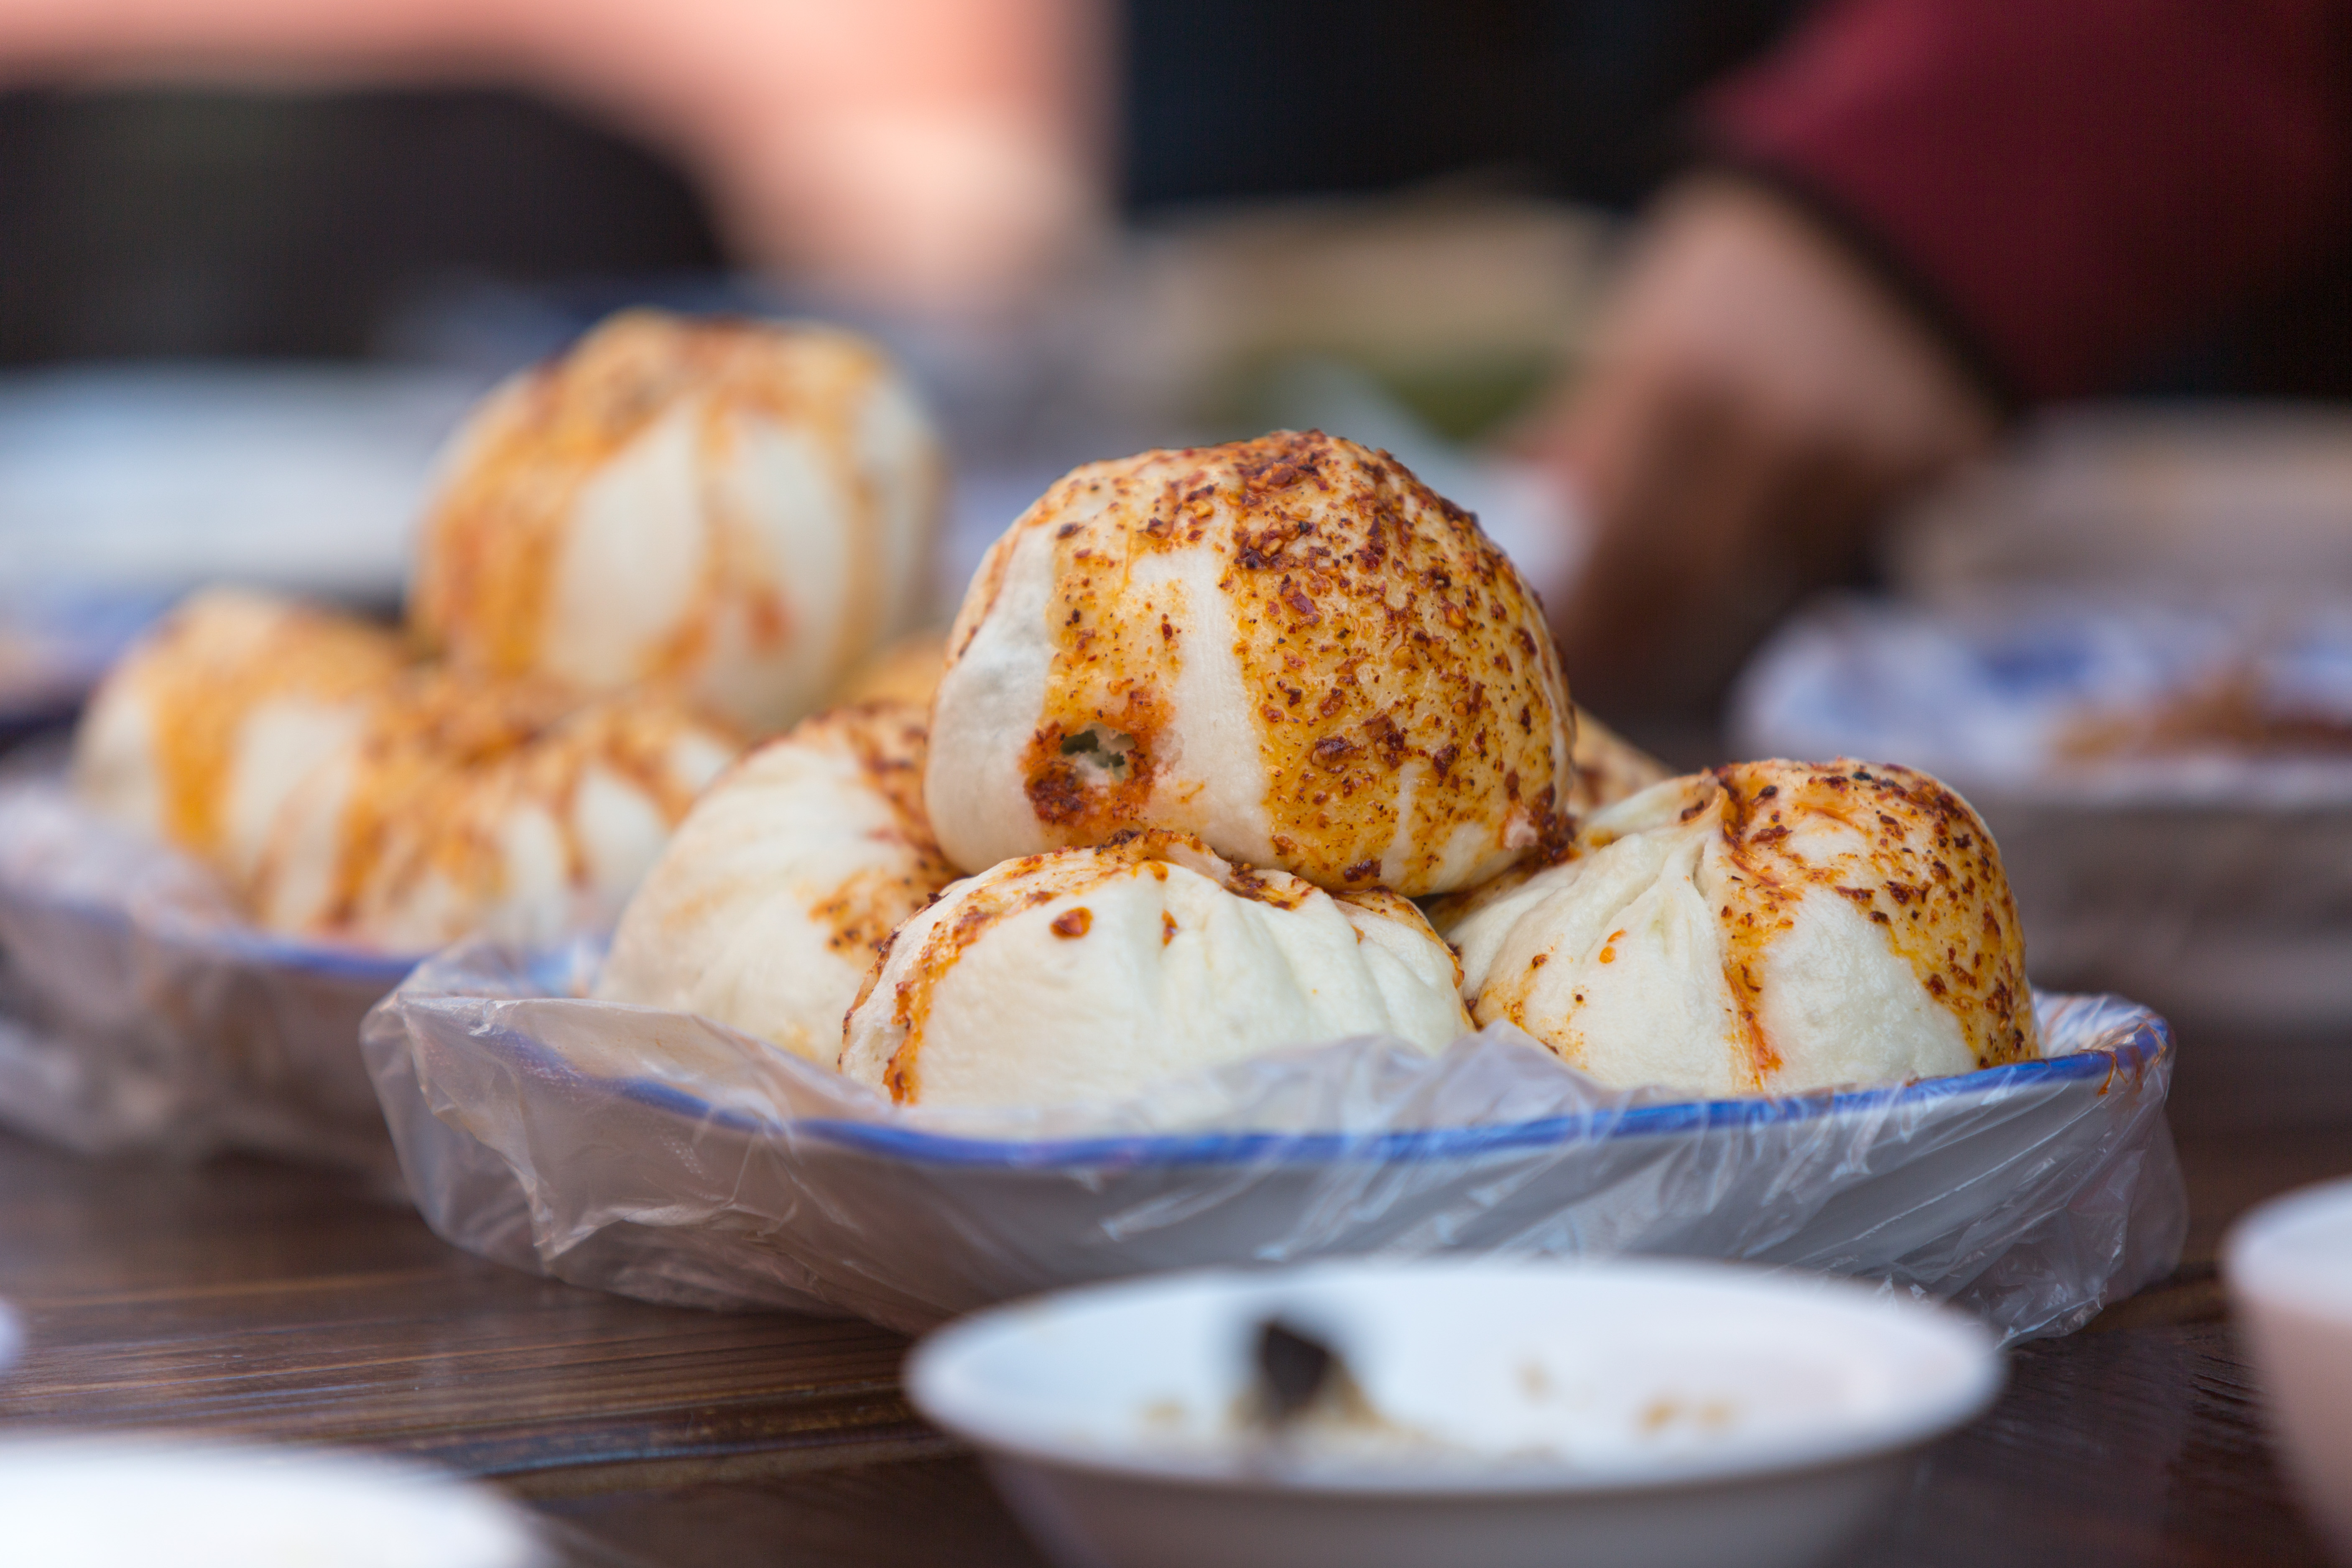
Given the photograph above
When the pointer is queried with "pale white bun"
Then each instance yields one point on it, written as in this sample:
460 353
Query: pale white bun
463 805
204 728
1088 976
1289 646
1769 927
742 509
766 909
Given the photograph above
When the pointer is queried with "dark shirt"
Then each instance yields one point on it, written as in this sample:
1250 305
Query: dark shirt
137 223
2073 186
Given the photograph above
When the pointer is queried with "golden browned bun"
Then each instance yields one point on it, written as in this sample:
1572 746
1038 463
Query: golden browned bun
1766 927
765 910
1289 646
199 732
508 807
1092 973
1609 768
743 509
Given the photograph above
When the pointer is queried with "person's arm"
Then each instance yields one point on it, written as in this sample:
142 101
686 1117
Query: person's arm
1922 212
1754 398
925 151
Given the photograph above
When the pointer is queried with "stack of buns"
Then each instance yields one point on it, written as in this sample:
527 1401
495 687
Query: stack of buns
1207 724
681 533
1162 799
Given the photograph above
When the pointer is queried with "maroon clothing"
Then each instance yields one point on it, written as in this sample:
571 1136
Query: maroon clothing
2070 183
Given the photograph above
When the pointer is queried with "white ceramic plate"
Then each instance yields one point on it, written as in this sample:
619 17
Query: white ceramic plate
1647 1413
663 1155
77 1501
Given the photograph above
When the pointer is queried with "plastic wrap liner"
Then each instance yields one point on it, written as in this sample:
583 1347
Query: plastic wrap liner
139 1010
663 1155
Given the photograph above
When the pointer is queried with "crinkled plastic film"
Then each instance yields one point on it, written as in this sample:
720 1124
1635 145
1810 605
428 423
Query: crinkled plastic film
663 1155
138 1011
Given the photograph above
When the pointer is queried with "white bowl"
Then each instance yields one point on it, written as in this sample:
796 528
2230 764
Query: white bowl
1650 1414
2290 1270
82 1501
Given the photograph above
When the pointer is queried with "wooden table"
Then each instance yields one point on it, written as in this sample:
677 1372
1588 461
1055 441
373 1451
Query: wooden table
256 1298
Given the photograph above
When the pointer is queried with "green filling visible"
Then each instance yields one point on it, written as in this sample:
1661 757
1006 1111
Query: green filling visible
1105 748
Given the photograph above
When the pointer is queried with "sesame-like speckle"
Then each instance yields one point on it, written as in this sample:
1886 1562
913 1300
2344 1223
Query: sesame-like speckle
1395 673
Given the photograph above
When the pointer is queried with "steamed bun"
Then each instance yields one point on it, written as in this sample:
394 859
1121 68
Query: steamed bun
743 509
200 731
766 909
509 808
1090 975
1768 927
1289 646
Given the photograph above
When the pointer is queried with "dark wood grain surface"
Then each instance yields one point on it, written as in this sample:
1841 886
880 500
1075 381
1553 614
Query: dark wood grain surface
249 1297
260 1298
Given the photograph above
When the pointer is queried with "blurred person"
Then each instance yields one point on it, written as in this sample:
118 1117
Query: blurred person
1916 219
933 155
245 176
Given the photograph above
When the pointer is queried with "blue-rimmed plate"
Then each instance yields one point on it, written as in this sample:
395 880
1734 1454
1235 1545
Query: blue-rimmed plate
663 1155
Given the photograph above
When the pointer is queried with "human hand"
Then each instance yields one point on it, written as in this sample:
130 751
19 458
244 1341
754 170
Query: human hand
1755 399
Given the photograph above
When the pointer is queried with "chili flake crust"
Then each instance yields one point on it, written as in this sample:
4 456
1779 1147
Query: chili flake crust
1764 927
1909 854
771 901
1112 942
1289 645
886 739
418 818
188 687
492 551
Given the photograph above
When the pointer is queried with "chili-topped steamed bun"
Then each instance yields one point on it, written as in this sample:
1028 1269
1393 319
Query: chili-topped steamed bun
765 909
1090 975
1769 927
461 806
200 733
743 509
1289 646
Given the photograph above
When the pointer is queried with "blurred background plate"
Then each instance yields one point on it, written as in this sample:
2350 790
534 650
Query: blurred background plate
142 481
2170 783
55 642
2189 494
